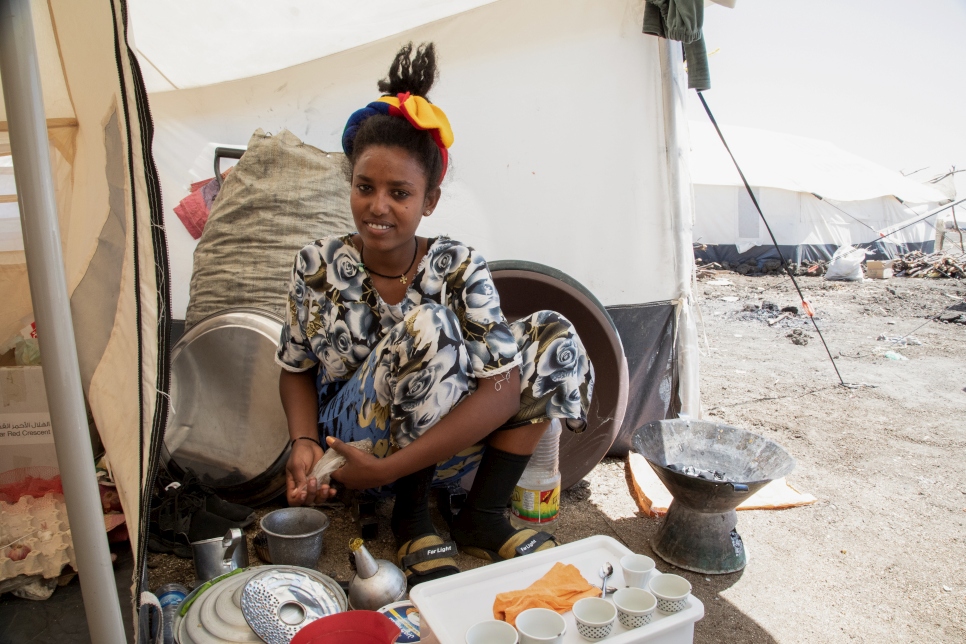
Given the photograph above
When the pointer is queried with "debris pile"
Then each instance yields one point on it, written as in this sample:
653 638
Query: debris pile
760 267
955 314
798 337
769 312
935 265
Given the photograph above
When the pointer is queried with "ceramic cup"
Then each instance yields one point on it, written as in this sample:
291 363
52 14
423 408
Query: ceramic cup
541 626
595 618
672 593
637 569
491 631
635 607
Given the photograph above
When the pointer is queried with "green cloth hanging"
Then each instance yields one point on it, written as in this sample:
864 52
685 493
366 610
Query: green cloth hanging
682 20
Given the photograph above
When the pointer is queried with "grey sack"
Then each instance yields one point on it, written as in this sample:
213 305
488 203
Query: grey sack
282 195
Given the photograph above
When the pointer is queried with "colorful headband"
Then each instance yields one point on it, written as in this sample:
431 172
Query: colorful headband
420 113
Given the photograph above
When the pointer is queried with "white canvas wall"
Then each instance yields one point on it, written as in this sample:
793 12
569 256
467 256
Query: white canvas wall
559 155
799 218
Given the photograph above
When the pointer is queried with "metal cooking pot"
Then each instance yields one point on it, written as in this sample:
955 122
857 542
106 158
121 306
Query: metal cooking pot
218 556
227 423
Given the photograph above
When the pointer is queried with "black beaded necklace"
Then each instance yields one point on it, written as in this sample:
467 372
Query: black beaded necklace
401 277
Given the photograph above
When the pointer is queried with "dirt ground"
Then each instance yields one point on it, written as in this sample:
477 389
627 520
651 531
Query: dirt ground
880 556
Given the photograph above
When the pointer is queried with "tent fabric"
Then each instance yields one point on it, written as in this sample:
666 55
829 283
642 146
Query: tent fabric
517 165
243 40
814 196
802 220
114 243
647 333
797 164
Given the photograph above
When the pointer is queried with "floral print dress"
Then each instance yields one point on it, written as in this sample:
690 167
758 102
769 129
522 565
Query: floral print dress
390 372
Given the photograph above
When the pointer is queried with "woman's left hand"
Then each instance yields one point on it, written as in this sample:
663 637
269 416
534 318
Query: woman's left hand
361 471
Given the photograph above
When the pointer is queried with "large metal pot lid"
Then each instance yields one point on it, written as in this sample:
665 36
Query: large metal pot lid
227 423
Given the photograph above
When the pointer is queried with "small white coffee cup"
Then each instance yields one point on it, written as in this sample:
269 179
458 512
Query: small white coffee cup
635 607
637 569
491 631
671 591
541 626
595 618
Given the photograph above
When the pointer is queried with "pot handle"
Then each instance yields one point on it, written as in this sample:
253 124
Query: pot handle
739 487
232 538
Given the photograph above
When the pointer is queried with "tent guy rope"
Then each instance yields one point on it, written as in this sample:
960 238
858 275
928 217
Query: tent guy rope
805 305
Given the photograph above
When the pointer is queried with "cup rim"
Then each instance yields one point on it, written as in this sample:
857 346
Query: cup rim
492 623
597 601
550 614
281 511
655 582
636 558
623 592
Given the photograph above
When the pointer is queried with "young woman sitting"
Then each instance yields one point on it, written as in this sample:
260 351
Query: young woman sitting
400 339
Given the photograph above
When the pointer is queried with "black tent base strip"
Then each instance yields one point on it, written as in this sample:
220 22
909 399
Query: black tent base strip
708 253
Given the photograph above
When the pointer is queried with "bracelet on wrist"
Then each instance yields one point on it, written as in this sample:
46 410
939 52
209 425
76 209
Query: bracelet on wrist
308 438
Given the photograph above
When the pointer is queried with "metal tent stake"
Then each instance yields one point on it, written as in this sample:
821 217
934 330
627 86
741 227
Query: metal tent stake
48 288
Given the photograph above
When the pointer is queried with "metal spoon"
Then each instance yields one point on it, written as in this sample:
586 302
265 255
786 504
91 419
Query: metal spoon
604 573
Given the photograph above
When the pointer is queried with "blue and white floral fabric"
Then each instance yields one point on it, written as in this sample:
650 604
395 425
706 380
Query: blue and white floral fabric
390 372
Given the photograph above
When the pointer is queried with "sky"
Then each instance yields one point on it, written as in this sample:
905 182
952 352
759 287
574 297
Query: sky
884 79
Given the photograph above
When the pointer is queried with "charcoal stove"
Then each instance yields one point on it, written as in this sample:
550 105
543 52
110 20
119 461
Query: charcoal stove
699 532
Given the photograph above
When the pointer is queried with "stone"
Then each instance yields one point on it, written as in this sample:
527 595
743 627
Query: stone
579 491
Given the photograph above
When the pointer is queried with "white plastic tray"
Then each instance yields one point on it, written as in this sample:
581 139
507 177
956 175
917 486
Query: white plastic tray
449 606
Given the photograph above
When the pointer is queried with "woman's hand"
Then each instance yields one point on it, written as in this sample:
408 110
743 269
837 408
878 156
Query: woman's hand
361 471
300 488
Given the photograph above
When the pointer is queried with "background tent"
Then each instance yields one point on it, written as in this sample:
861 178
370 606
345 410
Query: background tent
815 196
538 173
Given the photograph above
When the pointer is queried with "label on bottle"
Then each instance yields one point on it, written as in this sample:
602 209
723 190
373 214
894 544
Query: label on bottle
535 506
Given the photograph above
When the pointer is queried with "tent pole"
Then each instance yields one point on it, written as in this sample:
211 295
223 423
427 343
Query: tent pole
22 93
674 93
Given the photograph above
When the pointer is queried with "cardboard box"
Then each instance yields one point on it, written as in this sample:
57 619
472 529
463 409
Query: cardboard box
879 273
26 437
878 264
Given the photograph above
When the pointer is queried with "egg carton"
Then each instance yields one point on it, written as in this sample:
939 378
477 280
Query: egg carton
39 527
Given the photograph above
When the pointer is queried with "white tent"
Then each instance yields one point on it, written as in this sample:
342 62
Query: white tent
570 151
815 196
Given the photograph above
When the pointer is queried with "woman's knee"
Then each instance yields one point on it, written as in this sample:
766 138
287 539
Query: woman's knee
557 355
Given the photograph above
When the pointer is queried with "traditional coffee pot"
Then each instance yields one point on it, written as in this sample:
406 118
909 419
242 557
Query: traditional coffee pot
377 582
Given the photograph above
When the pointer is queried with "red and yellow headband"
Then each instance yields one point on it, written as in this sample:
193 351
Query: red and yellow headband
420 113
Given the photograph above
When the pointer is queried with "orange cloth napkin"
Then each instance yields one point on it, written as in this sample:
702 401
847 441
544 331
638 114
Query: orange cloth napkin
558 590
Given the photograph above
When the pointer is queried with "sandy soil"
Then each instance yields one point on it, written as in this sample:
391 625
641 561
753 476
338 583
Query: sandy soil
880 556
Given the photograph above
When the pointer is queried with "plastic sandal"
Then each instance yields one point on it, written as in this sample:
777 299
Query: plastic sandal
522 542
427 557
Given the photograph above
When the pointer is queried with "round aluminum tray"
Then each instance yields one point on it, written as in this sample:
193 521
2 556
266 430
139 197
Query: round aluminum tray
227 423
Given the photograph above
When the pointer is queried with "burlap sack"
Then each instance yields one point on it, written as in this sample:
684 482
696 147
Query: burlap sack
282 195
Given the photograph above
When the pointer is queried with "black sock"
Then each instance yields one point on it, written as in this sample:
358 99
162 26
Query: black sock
410 514
482 522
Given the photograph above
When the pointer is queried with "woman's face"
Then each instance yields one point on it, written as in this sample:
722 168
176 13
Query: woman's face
389 198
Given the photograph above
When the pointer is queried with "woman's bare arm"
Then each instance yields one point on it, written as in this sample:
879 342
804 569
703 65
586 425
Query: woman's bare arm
300 402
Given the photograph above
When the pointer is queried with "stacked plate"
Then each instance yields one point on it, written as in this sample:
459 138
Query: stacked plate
261 604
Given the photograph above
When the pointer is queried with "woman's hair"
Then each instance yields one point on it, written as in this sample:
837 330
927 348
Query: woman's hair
408 73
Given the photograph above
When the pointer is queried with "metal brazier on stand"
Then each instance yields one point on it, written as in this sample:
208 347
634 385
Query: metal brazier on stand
709 468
